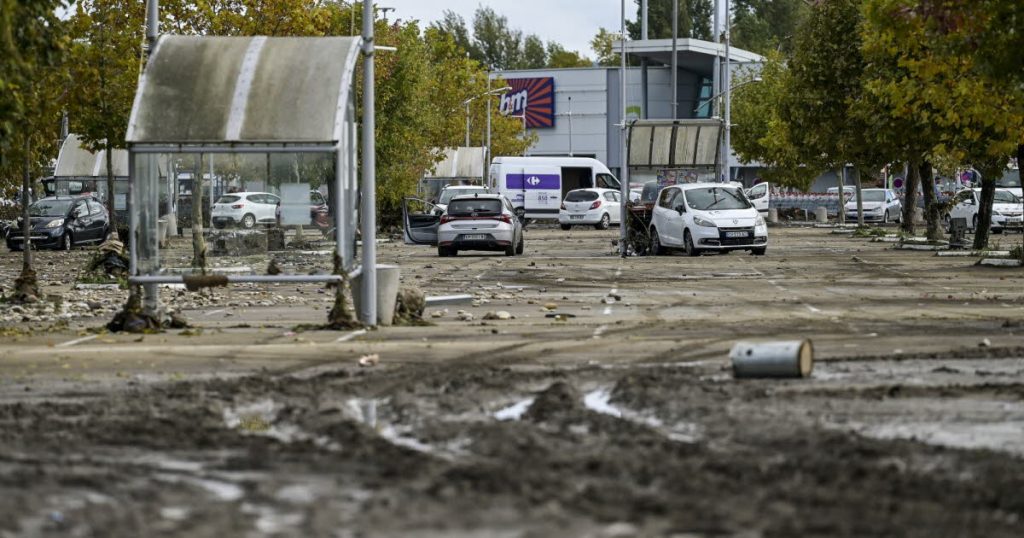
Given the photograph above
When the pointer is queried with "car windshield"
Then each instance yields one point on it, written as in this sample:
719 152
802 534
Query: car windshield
1010 180
228 199
873 196
49 208
716 198
1006 197
581 196
473 207
448 194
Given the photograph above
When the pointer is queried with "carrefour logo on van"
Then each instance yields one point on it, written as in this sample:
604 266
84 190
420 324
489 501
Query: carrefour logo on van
533 98
532 182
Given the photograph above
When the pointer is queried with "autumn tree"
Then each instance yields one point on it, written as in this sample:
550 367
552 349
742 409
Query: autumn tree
764 25
32 42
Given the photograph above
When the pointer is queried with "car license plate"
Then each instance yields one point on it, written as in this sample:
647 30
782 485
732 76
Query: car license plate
576 217
474 237
736 234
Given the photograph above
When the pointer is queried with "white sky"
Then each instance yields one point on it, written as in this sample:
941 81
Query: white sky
573 23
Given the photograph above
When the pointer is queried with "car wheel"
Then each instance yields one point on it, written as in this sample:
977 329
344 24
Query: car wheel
566 226
521 247
66 241
759 251
248 221
997 231
691 250
656 248
442 252
603 224
510 250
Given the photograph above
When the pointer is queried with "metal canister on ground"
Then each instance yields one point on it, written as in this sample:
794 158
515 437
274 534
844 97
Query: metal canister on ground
790 358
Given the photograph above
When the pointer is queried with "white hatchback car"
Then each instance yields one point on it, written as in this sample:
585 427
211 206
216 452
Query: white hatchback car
245 209
591 207
479 222
1006 209
700 217
880 205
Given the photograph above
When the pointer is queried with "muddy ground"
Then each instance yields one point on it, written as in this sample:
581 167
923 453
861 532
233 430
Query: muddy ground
621 421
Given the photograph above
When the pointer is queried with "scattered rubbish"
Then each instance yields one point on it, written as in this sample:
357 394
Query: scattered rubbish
369 360
985 343
561 316
499 315
793 358
550 306
439 313
462 315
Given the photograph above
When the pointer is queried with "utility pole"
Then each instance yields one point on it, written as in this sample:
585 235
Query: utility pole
675 59
727 88
644 60
623 140
570 126
369 194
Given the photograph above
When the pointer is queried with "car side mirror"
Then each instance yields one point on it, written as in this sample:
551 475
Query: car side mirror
680 209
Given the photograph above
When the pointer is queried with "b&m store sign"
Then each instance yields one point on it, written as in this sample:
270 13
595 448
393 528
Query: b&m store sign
534 97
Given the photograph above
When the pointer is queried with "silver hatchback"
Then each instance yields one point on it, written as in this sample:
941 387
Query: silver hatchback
479 222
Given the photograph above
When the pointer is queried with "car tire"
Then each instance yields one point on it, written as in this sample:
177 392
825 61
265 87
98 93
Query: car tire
521 247
66 241
691 250
443 252
759 251
248 221
566 226
604 222
997 231
510 250
656 248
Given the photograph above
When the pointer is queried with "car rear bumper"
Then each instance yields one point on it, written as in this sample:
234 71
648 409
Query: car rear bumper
489 241
588 218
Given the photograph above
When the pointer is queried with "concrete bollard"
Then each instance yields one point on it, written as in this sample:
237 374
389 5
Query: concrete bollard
387 293
162 231
821 215
773 215
793 358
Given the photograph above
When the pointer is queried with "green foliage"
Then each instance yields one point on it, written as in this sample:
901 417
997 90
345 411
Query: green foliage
694 19
559 57
761 133
764 25
603 45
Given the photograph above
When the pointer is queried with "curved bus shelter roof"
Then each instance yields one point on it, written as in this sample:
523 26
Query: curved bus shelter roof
75 161
203 93
459 163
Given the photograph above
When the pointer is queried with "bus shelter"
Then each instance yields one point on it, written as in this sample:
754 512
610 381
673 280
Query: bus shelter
281 101
80 171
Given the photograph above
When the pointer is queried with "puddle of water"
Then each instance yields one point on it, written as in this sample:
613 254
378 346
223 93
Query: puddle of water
599 400
514 411
999 436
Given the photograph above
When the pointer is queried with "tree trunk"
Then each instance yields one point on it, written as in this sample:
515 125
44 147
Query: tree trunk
860 196
910 198
110 187
198 243
931 202
841 213
26 226
988 195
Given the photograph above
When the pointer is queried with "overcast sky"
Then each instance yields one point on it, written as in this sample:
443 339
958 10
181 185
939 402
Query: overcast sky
572 23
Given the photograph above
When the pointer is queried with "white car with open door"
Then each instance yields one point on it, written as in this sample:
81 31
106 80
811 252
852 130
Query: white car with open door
701 217
881 205
760 196
590 207
1006 209
421 219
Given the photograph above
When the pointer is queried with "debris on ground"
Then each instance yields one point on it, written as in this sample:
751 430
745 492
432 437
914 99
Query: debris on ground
501 315
109 260
133 319
369 360
409 307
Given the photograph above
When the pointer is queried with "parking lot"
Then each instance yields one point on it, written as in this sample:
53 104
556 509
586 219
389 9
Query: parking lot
580 394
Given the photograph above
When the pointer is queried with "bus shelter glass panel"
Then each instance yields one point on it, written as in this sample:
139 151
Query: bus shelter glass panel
259 213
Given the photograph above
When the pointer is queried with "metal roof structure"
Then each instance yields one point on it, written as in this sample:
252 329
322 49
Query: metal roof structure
459 163
75 161
675 143
237 91
694 55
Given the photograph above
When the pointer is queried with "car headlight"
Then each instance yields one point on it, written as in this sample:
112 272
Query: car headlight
759 221
55 223
703 222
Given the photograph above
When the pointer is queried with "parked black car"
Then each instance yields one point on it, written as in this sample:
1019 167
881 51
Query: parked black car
62 222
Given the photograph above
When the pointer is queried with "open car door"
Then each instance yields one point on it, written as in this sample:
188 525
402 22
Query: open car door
421 220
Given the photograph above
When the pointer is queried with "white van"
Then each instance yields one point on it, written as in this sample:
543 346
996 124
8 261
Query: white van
536 186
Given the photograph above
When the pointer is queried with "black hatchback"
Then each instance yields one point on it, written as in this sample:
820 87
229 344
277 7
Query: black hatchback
62 222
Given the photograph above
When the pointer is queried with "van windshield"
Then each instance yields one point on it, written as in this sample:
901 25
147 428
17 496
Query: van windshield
581 196
475 207
716 198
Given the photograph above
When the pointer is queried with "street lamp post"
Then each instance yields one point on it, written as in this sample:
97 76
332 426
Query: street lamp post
474 98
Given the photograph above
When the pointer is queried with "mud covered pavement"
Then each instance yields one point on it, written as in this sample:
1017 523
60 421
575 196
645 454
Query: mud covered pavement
618 418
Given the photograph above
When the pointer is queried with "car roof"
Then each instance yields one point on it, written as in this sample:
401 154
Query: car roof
464 187
690 186
594 189
485 195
